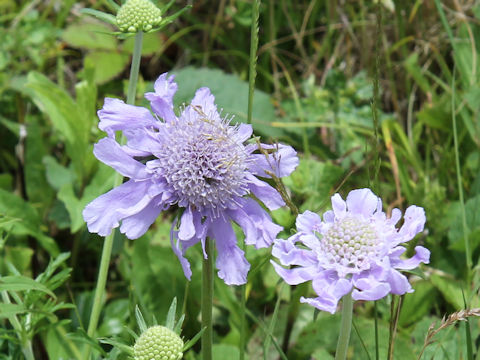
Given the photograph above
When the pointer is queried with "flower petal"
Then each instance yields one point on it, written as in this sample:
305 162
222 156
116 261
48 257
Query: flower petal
205 102
175 242
244 132
362 202
161 100
108 151
136 225
413 223
330 289
116 115
104 213
187 229
422 255
267 194
289 254
293 276
231 263
399 284
308 222
339 206
282 162
368 288
255 222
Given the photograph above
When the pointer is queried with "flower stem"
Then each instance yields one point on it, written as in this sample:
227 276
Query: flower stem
134 68
345 328
252 66
108 243
207 301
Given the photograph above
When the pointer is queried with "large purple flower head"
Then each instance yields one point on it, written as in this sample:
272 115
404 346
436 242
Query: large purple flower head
196 160
356 247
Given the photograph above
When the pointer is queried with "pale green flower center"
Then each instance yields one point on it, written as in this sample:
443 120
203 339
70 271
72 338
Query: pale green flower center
138 15
351 242
158 343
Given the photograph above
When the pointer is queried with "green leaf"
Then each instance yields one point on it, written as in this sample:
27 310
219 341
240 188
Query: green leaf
150 44
231 95
418 304
7 310
89 36
455 233
170 322
57 175
100 183
107 64
22 283
142 325
106 17
14 207
450 289
65 115
225 351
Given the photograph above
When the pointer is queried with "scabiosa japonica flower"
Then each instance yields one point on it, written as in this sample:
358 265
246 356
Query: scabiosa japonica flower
196 160
356 247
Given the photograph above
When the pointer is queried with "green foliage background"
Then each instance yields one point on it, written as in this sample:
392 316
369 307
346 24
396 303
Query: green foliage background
316 63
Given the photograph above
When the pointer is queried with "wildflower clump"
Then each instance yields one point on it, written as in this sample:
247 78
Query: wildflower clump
158 343
356 249
138 15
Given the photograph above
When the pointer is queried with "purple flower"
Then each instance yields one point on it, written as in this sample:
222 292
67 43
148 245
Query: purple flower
197 161
356 247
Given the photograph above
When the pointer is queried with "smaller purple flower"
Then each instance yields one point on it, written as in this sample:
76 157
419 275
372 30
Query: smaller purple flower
356 248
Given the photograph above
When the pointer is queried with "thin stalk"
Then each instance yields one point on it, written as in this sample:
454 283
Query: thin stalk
345 328
468 256
375 315
207 301
252 73
243 304
252 64
108 244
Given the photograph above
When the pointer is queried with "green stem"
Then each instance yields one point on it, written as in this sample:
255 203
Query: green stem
345 328
108 244
252 68
134 69
207 301
243 304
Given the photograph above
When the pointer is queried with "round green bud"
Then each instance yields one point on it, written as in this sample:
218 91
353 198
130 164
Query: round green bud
158 343
138 15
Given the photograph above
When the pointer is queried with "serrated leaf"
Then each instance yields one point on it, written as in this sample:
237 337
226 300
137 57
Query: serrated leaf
22 283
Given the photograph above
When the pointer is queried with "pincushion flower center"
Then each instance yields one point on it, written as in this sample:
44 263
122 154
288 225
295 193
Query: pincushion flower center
351 243
204 163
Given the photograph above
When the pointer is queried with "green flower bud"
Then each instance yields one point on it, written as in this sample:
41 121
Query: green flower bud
138 15
158 343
